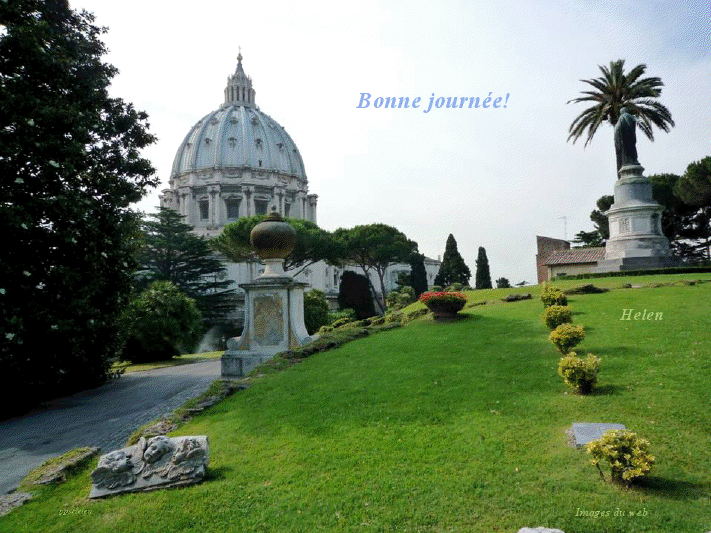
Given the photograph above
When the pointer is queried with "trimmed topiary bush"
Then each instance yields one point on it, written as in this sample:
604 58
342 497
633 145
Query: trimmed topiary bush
579 373
454 287
627 454
566 336
553 296
158 323
555 315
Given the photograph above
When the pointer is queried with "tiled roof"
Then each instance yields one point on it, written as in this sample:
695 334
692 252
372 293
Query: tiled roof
575 256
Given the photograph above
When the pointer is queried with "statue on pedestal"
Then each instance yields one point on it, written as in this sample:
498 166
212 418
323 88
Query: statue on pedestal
626 139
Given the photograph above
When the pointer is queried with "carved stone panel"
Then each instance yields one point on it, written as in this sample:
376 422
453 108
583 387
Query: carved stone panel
157 463
268 320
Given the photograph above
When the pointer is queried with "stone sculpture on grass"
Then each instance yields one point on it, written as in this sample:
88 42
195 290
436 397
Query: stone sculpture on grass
156 463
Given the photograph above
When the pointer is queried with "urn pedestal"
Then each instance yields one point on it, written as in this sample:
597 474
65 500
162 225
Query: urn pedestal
635 220
274 322
274 304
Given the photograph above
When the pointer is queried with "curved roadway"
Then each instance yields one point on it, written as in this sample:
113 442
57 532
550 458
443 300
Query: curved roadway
104 417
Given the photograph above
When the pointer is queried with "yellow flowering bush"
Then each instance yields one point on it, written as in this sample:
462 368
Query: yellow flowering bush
553 296
566 336
579 373
627 454
555 315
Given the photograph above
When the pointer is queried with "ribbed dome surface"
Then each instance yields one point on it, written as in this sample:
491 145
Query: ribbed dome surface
238 135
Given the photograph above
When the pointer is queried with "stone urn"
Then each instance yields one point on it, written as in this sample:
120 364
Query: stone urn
442 304
273 239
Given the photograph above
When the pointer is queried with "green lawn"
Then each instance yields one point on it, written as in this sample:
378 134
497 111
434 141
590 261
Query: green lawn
187 359
446 427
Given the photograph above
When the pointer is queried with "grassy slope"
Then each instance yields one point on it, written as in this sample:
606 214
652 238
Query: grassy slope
445 427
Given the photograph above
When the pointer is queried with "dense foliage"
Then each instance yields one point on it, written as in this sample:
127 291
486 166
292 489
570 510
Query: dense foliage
566 336
315 311
170 251
313 244
354 293
555 315
553 296
418 274
503 283
374 247
160 323
70 166
483 276
580 374
627 454
453 268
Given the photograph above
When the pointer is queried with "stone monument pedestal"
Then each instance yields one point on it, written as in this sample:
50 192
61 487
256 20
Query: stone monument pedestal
636 239
274 322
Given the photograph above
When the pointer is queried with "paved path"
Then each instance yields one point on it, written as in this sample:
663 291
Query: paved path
103 417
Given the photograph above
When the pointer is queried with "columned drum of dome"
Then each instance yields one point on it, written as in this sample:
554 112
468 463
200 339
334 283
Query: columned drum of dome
235 162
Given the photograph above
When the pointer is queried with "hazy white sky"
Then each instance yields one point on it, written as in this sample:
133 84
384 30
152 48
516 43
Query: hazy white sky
491 177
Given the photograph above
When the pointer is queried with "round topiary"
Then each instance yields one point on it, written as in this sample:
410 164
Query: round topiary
555 315
565 337
444 304
553 296
578 373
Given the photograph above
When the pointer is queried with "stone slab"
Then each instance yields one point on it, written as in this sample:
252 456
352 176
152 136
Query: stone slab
156 463
586 432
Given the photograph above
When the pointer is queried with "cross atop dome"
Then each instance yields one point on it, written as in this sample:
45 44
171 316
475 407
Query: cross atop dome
239 87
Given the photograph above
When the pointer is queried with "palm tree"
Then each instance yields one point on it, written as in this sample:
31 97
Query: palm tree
615 90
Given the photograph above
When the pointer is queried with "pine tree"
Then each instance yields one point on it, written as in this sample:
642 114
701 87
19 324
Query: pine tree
172 252
483 277
453 269
71 166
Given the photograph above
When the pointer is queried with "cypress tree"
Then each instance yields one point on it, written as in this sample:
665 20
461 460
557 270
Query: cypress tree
418 274
453 269
483 277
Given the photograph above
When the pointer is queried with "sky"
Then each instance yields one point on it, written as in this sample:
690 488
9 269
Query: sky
492 177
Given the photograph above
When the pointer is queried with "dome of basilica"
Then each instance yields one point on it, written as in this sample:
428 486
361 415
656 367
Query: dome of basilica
237 161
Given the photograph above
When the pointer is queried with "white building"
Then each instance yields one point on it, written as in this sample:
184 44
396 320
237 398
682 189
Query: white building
238 161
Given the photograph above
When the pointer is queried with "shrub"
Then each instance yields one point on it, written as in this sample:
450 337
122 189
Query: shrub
348 313
315 311
436 288
586 289
354 292
553 296
555 315
158 323
454 287
578 373
444 303
566 336
627 454
396 300
502 283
